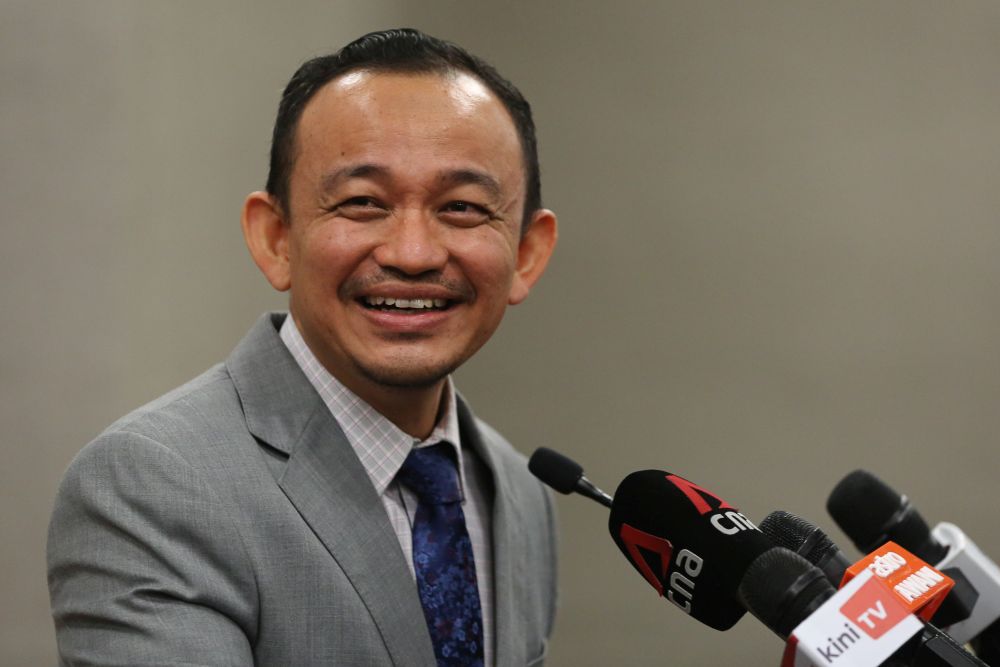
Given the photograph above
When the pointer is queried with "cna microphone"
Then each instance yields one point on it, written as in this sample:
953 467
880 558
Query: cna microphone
564 475
689 544
870 512
687 551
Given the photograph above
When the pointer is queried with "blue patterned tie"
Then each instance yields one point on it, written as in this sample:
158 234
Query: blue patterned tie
442 558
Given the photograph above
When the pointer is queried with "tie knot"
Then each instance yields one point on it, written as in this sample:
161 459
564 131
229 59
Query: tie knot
430 472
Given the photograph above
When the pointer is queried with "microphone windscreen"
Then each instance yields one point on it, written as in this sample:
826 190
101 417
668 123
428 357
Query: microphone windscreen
560 472
688 543
787 530
871 513
806 539
862 505
782 589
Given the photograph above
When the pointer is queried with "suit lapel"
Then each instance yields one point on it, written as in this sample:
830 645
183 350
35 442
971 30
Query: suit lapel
329 487
508 561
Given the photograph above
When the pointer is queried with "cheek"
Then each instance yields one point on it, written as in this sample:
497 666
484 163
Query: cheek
329 253
487 257
491 273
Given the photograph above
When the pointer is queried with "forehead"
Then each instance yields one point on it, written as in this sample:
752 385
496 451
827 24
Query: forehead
387 116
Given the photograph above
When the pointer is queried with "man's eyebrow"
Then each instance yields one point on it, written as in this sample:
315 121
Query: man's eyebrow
471 177
367 170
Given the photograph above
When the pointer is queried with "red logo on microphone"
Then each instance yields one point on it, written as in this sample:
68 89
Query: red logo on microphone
698 495
874 609
634 539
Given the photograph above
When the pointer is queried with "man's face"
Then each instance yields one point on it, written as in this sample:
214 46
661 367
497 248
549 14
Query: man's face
403 230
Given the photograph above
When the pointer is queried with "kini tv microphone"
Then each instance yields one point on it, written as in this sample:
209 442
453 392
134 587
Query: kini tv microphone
763 586
564 475
860 625
870 512
691 546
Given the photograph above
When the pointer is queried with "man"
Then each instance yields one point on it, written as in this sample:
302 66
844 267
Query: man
324 497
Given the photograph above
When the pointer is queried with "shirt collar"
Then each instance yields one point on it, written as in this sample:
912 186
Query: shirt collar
380 445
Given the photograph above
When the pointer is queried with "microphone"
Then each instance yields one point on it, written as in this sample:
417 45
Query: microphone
806 539
710 560
869 511
871 514
691 546
782 589
564 475
931 647
789 595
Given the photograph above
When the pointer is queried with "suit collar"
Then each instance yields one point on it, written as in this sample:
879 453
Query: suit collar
278 401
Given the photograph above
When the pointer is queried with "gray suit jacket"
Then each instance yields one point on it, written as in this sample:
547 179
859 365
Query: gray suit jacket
230 523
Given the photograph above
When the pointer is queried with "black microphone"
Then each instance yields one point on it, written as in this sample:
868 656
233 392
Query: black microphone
782 589
691 546
806 539
564 475
870 513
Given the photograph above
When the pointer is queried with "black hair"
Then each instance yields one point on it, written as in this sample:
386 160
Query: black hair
398 50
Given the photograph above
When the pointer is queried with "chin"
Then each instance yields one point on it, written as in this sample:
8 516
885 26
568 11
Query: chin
404 377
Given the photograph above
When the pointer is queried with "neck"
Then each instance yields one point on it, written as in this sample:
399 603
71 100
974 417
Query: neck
414 410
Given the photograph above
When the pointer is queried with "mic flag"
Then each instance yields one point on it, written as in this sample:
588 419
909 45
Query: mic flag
917 585
689 544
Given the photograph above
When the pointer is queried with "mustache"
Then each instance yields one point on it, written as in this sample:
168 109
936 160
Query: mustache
355 286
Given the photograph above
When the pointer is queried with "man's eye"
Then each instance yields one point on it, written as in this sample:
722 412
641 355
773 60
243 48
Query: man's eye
364 208
364 202
466 211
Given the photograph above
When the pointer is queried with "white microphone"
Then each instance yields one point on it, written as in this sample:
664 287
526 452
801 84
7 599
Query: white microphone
981 572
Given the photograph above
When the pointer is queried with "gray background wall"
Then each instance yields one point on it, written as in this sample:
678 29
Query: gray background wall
778 257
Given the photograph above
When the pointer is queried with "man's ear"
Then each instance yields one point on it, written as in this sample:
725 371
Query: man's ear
265 231
536 246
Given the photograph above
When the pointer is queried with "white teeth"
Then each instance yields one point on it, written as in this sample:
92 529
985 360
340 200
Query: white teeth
408 304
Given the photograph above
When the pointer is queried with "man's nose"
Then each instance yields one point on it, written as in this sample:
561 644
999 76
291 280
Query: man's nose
412 244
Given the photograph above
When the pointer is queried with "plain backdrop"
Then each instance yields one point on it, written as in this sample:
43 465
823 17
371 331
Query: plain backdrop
778 262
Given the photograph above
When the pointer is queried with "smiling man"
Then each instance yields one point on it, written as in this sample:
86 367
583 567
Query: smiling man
325 497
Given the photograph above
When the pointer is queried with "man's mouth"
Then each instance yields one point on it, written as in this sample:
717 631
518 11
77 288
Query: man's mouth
391 304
